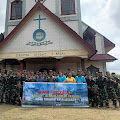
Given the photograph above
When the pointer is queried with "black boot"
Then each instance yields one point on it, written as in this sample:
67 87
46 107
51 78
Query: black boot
101 105
115 104
107 105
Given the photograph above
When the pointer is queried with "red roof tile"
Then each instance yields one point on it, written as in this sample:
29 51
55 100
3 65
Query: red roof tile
55 18
108 43
103 57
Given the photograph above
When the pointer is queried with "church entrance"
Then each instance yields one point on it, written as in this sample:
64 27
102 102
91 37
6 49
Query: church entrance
41 64
44 69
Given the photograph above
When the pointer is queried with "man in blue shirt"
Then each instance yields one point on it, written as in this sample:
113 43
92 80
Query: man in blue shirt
61 77
41 79
80 78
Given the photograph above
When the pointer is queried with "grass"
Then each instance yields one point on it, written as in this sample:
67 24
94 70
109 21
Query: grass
9 112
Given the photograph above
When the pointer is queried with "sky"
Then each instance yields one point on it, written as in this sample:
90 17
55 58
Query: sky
101 15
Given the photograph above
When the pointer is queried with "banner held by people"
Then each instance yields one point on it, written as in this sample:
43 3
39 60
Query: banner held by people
55 94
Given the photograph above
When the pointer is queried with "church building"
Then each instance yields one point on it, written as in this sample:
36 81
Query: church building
49 34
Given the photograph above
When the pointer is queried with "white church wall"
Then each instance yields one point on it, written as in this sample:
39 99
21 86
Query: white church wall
51 5
73 25
10 28
99 43
60 38
84 27
29 5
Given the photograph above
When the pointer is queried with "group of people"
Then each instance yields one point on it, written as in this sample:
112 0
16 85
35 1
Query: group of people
101 89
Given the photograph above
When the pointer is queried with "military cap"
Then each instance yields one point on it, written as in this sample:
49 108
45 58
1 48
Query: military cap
10 71
24 70
79 71
3 69
50 71
37 72
44 70
113 73
40 72
95 86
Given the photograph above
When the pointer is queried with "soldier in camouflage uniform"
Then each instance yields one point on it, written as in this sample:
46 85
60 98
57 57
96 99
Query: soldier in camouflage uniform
20 79
1 89
13 81
103 95
3 80
32 77
95 95
8 88
111 89
89 85
116 86
45 76
51 78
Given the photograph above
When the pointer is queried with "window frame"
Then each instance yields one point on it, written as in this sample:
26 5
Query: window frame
15 8
68 13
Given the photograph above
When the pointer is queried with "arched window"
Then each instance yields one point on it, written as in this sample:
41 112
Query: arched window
16 10
67 7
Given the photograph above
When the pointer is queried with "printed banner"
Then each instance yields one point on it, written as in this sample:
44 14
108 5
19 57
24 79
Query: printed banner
55 94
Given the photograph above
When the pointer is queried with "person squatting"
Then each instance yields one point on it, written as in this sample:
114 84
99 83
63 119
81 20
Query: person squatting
101 89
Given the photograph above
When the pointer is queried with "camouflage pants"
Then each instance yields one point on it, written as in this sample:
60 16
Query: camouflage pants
18 95
103 95
90 95
7 95
95 99
112 95
1 91
118 94
13 95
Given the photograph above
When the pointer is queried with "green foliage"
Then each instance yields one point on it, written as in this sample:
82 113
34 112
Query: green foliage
118 76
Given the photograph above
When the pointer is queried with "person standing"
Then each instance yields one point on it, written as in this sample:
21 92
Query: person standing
40 79
32 77
80 78
61 77
111 90
45 75
51 78
1 90
70 79
3 83
88 80
116 86
8 91
103 94
73 73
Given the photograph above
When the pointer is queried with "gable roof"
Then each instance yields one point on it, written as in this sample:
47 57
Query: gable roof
108 43
105 57
37 6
